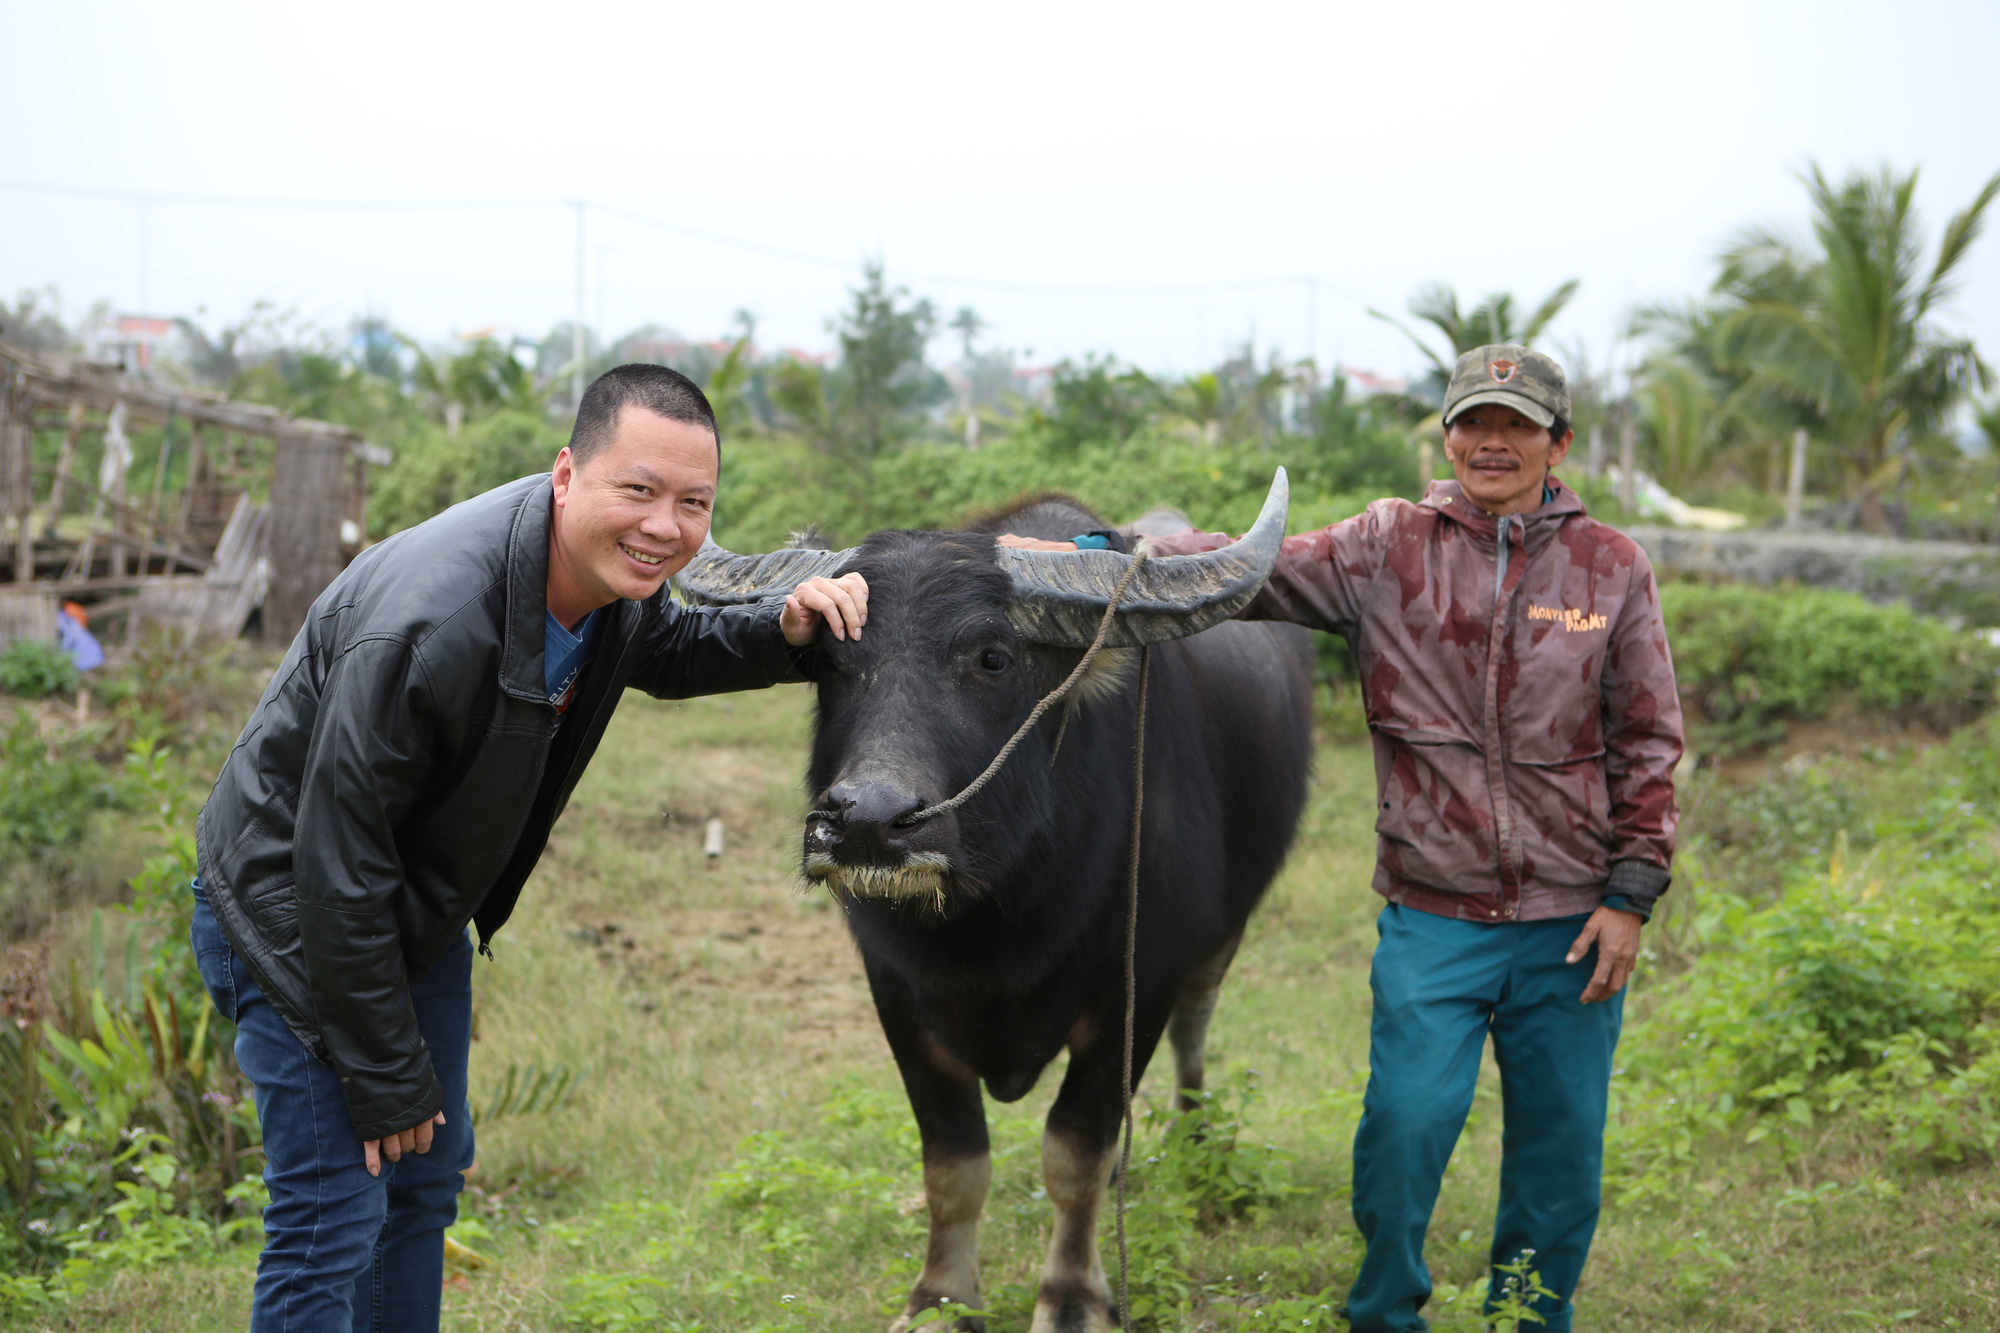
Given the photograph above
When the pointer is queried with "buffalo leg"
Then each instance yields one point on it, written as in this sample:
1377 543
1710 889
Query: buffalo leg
958 1167
1079 1150
1187 1031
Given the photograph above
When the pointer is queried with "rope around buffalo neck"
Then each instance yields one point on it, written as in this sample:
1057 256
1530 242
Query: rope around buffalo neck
1131 982
1047 702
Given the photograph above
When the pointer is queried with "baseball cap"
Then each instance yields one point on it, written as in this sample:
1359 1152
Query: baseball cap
1511 375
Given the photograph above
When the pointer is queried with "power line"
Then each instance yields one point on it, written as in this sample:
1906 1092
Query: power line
1007 286
188 199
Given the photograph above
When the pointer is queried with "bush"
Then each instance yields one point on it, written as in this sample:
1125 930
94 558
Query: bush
50 787
1868 988
34 669
435 470
1755 658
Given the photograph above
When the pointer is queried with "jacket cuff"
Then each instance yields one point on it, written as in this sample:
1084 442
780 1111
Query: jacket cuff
1637 885
379 1126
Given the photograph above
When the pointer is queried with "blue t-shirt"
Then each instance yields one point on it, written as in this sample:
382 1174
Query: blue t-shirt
566 654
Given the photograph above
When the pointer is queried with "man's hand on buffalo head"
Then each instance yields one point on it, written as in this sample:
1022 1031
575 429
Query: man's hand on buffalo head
1033 543
842 603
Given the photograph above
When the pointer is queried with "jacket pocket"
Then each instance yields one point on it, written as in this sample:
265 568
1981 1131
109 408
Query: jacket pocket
1564 810
1435 812
275 912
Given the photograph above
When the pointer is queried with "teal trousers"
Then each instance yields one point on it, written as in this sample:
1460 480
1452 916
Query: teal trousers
1441 987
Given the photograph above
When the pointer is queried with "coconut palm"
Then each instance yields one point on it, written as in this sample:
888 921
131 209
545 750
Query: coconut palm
1491 321
1847 331
1683 421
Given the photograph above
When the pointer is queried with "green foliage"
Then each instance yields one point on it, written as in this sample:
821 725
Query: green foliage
50 788
1096 401
436 469
792 1197
33 669
866 403
773 488
1205 1162
124 1142
1845 334
1755 836
1490 321
1755 658
531 1088
1205 1173
1867 989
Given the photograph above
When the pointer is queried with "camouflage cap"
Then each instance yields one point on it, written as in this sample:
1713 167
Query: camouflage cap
1513 376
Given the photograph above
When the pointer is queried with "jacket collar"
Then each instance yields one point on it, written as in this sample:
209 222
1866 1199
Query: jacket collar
524 639
1448 499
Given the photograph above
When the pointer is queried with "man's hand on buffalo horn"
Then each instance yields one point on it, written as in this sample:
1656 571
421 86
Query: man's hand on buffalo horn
841 602
1033 543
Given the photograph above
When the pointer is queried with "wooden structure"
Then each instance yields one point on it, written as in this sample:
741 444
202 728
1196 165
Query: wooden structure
244 505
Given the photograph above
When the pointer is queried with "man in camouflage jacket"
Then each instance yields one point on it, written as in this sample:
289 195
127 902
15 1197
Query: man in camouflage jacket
1526 726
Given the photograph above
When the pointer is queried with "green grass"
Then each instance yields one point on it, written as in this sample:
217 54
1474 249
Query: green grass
739 1155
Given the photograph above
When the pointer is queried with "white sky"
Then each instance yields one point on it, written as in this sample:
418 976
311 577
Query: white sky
1492 146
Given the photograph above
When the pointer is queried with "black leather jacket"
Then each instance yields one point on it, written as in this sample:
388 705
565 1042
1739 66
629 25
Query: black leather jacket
401 775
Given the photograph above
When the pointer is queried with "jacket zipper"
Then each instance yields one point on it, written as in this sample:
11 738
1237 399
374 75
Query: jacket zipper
1496 730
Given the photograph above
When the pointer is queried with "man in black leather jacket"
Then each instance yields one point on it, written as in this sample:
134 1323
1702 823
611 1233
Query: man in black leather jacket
399 780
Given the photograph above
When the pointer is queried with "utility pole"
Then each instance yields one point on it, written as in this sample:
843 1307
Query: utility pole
1795 484
145 258
1312 326
576 329
1628 454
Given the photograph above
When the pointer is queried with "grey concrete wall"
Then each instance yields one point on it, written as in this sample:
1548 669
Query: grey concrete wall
1957 580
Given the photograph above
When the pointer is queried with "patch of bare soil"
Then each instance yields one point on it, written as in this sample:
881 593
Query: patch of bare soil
792 961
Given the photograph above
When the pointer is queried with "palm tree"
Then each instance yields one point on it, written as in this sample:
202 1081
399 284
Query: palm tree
1683 420
1491 321
1847 333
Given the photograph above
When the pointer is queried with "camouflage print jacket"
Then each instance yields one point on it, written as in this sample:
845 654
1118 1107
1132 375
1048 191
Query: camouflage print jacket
1520 697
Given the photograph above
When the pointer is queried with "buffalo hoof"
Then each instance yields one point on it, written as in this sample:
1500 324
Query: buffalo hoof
921 1305
1073 1310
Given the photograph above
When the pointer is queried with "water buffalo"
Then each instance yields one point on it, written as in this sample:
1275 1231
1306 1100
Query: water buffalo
993 937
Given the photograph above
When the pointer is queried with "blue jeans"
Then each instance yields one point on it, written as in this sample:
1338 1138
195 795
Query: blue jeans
344 1250
1440 987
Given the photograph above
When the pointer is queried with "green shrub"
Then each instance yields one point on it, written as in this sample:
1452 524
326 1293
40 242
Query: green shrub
1755 836
435 470
33 669
1756 658
49 789
1868 988
772 487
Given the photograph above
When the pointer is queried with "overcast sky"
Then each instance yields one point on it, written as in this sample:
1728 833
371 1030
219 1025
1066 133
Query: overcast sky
1094 153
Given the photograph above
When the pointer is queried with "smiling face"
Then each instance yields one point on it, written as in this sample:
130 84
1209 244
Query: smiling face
632 514
1501 458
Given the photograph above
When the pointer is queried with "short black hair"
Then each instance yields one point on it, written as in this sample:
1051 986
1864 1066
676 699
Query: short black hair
656 388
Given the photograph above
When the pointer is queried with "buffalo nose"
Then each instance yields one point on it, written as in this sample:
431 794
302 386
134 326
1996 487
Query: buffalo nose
871 807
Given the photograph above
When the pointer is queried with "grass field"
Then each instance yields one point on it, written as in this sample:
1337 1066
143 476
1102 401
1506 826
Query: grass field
738 1156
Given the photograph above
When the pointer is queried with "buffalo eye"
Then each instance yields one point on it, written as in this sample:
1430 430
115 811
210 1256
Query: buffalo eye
994 660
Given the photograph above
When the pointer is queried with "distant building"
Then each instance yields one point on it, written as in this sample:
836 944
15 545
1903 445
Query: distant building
1371 382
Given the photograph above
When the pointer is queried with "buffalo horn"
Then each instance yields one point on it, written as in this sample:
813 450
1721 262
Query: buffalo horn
719 577
1059 596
